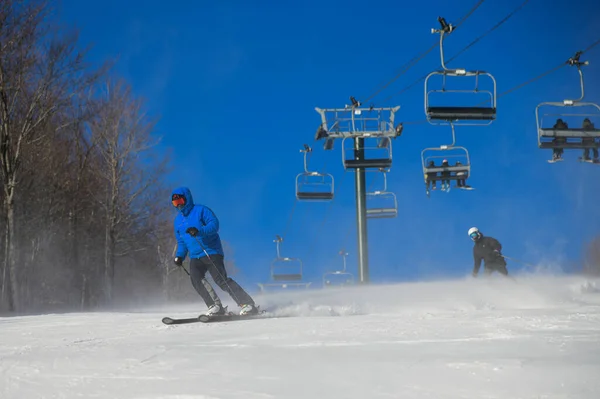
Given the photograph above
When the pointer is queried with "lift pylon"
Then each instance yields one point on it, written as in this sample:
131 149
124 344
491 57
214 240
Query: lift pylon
358 124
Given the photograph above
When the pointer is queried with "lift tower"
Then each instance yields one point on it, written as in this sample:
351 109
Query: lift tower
357 127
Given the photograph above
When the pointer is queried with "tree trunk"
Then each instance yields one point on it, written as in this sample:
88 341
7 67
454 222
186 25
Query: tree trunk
111 242
109 263
10 287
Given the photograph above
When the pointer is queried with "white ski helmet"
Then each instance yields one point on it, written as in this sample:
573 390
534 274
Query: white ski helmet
474 233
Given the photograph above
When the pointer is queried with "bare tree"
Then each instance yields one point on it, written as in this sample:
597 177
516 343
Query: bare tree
38 76
124 137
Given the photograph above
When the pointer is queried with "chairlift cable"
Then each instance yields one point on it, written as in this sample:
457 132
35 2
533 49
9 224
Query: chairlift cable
418 58
591 46
350 231
291 215
289 221
556 68
493 28
327 212
548 72
502 21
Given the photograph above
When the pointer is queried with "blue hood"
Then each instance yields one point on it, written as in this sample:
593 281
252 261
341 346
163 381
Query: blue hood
189 201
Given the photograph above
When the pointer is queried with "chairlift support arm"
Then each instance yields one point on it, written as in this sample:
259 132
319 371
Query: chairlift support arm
306 150
445 28
453 137
278 239
574 61
344 254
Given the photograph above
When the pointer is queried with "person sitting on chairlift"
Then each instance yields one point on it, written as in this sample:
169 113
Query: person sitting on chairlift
461 182
431 175
587 126
557 152
446 173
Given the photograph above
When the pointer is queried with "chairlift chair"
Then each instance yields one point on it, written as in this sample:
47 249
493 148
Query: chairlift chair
453 171
579 130
338 278
285 268
473 114
383 151
382 203
313 186
285 271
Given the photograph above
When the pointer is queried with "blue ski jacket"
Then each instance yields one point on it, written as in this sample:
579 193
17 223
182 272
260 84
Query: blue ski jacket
202 218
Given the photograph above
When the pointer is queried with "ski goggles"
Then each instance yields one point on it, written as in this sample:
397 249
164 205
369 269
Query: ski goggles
177 200
474 235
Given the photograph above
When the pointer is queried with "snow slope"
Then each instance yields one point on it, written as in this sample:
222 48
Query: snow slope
539 338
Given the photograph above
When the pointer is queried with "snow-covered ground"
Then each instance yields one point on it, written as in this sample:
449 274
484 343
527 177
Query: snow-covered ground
539 338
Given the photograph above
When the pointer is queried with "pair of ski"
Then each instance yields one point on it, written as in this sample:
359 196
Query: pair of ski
204 318
580 159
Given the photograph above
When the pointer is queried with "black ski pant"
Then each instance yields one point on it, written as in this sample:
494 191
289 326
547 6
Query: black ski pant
216 267
491 267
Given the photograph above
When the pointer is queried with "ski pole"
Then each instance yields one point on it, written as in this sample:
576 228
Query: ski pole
185 270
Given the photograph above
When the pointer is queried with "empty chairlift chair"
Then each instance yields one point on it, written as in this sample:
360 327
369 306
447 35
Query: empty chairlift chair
382 203
477 103
313 186
570 124
338 278
374 153
285 272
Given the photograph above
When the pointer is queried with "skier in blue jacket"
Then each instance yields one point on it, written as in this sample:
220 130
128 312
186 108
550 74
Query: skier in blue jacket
197 234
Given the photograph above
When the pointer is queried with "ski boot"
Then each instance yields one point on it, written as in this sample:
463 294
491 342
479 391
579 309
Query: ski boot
216 310
248 310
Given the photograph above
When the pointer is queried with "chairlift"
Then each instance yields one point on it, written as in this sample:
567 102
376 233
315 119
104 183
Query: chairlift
382 203
285 272
382 151
338 278
481 108
574 122
284 268
313 186
446 171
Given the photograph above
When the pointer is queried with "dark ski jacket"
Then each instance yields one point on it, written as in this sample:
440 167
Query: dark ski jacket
484 250
202 218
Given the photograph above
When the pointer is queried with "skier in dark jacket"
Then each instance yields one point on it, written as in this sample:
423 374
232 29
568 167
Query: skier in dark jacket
196 231
489 250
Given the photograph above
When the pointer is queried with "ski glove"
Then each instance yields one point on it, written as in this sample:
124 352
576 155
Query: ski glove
178 261
192 231
497 253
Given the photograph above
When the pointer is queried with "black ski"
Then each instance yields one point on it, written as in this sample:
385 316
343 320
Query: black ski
203 318
228 317
170 320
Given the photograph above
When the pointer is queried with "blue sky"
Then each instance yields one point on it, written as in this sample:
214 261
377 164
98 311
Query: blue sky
236 83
